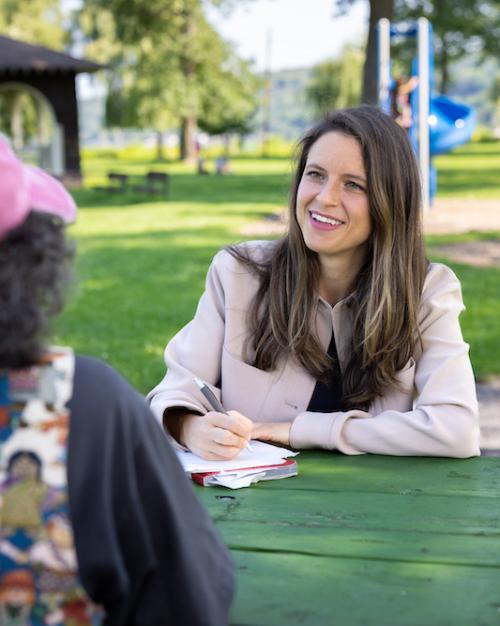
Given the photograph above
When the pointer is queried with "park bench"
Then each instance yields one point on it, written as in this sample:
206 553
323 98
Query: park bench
117 182
155 183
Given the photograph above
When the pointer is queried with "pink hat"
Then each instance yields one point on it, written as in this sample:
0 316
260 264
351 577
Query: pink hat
25 188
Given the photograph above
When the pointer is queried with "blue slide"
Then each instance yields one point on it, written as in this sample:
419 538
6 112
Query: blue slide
451 124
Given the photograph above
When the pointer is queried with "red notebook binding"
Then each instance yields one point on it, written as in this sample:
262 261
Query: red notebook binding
264 472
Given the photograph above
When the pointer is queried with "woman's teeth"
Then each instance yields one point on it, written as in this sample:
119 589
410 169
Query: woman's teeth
326 220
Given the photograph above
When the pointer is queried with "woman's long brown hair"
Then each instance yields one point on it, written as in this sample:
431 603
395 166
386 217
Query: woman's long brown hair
389 286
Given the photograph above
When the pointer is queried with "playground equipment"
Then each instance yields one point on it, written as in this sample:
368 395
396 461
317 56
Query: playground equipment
438 124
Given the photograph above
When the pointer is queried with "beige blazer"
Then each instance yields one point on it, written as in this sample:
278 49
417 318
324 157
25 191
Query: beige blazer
432 412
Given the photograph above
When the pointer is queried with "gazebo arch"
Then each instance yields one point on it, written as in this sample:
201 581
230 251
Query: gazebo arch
49 141
50 77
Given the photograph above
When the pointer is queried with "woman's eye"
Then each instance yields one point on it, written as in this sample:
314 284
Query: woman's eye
313 174
356 186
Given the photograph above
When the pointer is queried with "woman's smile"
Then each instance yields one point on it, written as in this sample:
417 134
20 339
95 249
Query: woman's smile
321 221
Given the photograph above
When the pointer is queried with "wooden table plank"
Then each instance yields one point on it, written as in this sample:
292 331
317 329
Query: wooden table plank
366 541
328 471
279 590
376 511
388 526
363 544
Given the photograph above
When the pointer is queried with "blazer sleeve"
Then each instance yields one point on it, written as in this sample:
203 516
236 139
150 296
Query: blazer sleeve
195 351
443 420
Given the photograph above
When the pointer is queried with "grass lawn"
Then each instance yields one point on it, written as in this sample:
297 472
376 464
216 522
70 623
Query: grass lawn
471 171
481 319
142 261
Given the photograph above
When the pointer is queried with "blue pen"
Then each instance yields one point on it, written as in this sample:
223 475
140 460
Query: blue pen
213 400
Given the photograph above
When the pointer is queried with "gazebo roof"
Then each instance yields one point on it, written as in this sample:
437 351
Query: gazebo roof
17 56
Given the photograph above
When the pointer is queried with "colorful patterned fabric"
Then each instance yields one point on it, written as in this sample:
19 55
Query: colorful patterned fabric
38 567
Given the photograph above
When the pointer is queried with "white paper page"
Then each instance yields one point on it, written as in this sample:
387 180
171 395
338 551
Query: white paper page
237 480
261 454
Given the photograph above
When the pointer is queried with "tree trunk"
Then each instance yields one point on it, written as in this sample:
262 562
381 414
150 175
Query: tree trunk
187 144
378 9
160 155
266 112
445 76
226 141
188 139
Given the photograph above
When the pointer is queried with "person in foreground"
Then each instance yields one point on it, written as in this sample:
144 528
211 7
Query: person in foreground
98 523
340 335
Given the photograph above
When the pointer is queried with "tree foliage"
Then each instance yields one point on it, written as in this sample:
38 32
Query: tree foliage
495 98
336 83
229 100
168 66
459 26
21 115
378 10
40 23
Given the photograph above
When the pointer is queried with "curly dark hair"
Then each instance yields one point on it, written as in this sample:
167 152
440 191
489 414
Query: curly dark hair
35 269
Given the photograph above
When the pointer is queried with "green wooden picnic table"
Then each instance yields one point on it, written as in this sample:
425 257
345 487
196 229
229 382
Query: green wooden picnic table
367 540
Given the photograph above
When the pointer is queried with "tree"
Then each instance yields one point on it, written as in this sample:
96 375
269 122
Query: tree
137 71
378 10
160 54
495 97
229 99
336 83
42 24
459 26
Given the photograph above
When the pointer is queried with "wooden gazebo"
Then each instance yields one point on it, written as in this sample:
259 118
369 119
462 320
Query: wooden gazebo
51 74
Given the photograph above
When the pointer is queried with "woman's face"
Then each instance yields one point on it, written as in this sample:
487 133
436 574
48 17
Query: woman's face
332 200
24 467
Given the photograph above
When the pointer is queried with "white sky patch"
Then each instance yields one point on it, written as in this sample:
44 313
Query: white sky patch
279 34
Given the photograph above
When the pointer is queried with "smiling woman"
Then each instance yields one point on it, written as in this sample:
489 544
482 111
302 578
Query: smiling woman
340 335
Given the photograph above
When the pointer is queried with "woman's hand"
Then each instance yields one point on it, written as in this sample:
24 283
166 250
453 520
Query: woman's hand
215 436
277 432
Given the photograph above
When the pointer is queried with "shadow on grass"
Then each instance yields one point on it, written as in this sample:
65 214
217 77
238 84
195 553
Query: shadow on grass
269 188
157 238
130 300
135 291
485 149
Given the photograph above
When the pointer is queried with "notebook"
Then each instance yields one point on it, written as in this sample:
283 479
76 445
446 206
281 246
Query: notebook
263 462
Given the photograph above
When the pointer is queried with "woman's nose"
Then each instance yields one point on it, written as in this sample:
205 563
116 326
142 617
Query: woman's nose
330 193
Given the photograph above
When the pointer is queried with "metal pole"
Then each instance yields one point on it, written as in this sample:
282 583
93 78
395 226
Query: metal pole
423 109
384 64
267 94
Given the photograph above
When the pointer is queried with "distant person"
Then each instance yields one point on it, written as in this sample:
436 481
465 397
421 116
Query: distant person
400 100
340 335
222 165
98 523
201 166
